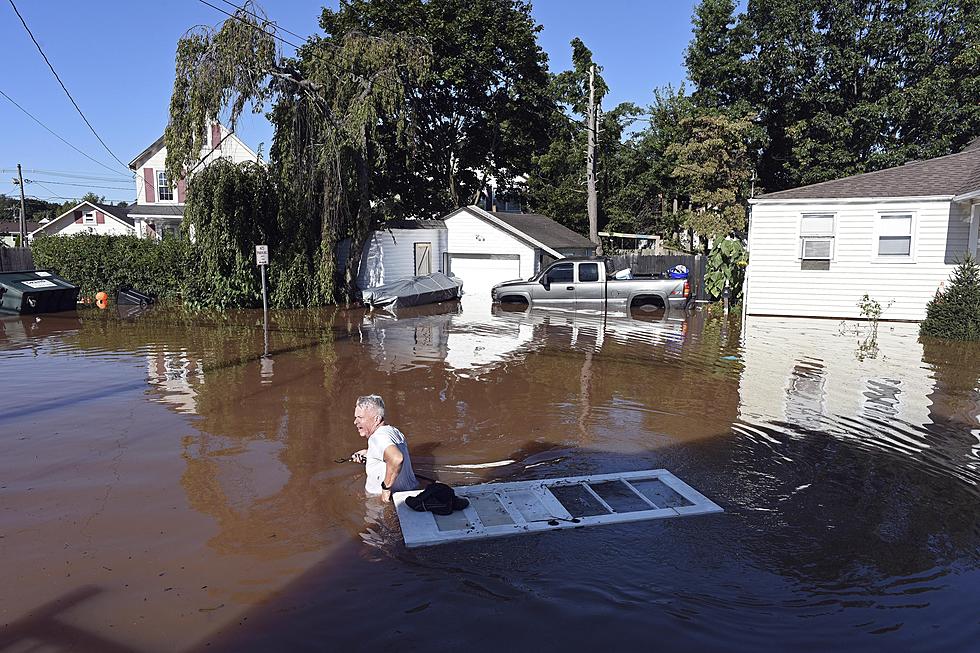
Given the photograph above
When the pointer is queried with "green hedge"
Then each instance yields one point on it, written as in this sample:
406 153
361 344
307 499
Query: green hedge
106 263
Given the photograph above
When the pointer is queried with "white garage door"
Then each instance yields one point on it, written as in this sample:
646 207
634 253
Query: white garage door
479 275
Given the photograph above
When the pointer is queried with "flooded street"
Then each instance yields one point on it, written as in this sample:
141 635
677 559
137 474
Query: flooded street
163 487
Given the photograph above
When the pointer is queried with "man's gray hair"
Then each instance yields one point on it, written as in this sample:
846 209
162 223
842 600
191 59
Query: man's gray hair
374 402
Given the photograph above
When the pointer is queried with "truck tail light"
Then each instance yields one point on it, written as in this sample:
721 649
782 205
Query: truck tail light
687 289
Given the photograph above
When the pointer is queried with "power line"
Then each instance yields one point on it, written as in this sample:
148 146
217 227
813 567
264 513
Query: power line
68 183
255 15
31 116
65 88
69 175
245 22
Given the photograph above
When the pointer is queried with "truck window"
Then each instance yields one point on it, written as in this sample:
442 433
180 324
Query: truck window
588 272
561 273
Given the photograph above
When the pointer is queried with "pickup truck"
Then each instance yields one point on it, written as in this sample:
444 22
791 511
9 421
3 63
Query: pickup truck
588 283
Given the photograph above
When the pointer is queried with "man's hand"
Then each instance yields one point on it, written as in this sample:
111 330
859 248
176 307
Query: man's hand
359 456
385 496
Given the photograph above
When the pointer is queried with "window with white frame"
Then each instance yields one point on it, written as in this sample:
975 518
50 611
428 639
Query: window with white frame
164 191
895 235
817 236
88 217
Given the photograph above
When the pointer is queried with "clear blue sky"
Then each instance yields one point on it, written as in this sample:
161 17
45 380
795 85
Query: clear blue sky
117 59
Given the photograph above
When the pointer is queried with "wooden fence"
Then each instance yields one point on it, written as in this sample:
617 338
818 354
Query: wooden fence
15 258
642 264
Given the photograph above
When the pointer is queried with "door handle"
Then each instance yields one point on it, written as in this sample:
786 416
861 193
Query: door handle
569 287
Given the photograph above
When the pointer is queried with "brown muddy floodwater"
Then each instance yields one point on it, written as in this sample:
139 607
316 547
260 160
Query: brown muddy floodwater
165 488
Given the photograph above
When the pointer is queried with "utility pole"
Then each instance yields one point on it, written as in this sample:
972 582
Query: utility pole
23 215
593 201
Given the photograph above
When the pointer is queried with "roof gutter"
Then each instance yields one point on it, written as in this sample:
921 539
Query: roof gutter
856 200
972 195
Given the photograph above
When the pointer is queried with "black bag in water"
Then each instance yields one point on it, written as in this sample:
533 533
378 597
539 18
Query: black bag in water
438 498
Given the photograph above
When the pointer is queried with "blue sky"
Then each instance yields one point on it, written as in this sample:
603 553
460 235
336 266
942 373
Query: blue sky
117 59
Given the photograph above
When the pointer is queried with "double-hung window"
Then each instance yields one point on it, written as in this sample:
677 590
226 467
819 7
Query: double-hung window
88 217
895 235
817 236
164 191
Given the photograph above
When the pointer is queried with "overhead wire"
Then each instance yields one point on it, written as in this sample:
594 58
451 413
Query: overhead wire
56 135
63 87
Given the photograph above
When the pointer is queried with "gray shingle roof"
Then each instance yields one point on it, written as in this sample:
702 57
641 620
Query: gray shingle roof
954 174
166 210
121 212
544 230
8 227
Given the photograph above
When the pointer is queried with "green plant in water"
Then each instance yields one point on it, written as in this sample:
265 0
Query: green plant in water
954 313
726 267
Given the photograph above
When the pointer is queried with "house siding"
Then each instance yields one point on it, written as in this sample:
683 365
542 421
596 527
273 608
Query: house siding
110 227
389 255
232 148
469 234
778 286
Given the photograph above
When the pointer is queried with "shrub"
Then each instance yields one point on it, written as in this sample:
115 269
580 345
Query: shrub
97 262
726 267
954 313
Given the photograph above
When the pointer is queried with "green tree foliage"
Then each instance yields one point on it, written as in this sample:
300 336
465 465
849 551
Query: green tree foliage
483 109
726 268
954 313
230 209
842 86
34 209
643 202
557 184
106 263
712 166
331 105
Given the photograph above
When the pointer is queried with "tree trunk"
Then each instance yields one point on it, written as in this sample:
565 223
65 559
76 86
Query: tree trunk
361 228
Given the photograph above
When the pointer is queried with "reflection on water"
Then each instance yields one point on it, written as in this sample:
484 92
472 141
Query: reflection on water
177 489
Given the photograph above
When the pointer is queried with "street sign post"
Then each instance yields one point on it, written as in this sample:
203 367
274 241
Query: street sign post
262 260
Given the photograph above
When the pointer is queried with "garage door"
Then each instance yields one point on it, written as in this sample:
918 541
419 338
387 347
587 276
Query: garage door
481 273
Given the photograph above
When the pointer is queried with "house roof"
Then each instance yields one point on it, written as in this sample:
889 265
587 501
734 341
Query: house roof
120 213
414 224
158 144
13 227
544 230
165 210
952 175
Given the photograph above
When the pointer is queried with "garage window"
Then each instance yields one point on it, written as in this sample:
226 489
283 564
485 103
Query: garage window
560 273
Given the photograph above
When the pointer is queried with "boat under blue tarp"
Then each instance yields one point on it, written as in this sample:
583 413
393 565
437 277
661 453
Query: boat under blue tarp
427 289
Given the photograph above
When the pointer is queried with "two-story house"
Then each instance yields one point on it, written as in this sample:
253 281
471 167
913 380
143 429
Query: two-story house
159 206
160 201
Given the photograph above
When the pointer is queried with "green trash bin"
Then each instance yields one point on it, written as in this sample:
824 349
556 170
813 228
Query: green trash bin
36 291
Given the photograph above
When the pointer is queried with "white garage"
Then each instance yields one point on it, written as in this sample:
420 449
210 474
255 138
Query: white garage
485 248
480 247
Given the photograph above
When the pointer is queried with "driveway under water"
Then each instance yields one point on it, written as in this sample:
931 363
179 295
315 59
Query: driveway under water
165 487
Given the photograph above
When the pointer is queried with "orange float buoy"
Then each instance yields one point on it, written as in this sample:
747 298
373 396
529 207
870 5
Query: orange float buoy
101 296
101 303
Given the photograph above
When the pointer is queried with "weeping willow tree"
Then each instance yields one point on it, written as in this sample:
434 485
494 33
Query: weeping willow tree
331 105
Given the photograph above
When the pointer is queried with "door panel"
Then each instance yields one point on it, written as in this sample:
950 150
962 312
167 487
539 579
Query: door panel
423 259
590 287
560 289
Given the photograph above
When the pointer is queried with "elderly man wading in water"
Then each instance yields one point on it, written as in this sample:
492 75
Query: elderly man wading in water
386 461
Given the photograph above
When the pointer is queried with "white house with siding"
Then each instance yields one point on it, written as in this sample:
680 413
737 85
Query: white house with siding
895 235
480 247
159 205
88 217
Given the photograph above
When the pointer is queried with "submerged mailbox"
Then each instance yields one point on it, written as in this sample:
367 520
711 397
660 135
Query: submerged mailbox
35 291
